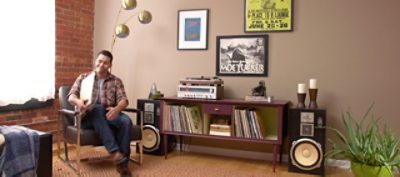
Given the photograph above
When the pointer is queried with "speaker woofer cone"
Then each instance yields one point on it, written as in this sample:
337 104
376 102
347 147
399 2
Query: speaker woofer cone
151 138
306 154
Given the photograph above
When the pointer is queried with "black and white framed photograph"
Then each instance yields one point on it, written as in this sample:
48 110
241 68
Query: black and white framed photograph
242 55
192 29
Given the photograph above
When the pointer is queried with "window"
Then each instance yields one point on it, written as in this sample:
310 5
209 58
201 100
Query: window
27 56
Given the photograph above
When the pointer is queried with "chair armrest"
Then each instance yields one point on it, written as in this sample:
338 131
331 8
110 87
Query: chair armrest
68 112
131 110
139 115
74 114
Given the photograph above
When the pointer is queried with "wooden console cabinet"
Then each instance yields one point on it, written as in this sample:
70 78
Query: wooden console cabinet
228 119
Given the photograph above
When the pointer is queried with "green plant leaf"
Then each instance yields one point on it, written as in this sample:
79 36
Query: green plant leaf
368 145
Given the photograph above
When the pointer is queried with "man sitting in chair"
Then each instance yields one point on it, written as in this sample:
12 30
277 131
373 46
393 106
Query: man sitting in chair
102 110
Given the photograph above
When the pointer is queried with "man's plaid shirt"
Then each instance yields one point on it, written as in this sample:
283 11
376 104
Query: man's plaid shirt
113 90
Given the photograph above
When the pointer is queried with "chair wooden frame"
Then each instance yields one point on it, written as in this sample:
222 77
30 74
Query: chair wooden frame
65 112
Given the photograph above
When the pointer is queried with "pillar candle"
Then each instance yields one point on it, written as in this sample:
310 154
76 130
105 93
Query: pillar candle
313 83
301 88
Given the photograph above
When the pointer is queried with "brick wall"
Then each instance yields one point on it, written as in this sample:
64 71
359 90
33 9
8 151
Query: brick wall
74 53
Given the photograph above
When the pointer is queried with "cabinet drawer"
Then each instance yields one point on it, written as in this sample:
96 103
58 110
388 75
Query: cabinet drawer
217 109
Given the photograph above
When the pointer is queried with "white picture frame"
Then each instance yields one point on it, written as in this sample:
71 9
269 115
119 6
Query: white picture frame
193 29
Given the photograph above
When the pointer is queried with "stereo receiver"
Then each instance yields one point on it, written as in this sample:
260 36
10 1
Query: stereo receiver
200 91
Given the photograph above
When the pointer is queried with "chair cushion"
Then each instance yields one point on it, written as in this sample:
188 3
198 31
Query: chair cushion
90 137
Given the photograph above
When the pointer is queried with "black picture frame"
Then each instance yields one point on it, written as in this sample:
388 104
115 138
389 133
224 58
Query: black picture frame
242 55
192 29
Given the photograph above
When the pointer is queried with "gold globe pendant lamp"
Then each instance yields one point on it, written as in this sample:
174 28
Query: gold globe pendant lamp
145 17
121 29
128 4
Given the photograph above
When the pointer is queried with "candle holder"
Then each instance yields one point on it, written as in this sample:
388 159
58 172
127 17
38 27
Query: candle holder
301 97
313 98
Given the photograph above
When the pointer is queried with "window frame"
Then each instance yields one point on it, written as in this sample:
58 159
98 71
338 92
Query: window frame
31 104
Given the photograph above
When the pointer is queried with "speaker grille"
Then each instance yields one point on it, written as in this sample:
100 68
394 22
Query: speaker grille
306 154
151 138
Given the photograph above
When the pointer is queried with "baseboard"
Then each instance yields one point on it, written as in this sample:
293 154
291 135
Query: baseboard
345 164
231 152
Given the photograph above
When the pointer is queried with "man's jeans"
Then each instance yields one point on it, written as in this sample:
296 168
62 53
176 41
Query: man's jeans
115 134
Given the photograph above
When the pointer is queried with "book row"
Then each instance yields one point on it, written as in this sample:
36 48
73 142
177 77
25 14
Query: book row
182 118
248 124
245 123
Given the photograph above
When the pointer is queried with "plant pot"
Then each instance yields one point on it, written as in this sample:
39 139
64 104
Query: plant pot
362 170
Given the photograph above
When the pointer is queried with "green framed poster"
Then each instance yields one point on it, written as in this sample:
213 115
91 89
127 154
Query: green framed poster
268 15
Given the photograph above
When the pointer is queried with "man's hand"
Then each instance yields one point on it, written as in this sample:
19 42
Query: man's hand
112 113
82 107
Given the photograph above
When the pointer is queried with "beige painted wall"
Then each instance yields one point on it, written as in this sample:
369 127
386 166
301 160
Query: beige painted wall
351 47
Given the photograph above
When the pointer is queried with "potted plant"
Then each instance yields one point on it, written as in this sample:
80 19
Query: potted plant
371 150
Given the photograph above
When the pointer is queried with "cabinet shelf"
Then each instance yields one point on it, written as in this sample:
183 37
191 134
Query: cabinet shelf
267 140
227 119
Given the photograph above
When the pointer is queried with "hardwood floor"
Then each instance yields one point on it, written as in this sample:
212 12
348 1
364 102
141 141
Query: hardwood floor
248 165
188 160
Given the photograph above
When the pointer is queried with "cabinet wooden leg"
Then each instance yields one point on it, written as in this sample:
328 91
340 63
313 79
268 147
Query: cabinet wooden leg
280 153
180 143
275 148
165 145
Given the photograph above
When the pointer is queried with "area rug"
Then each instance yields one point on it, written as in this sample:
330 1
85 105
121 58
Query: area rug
177 165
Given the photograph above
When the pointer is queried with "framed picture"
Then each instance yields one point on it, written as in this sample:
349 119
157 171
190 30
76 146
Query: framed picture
242 55
192 29
268 15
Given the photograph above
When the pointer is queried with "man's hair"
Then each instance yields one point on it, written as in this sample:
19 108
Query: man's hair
107 54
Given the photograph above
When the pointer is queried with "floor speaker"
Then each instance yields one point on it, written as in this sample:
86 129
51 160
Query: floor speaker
152 137
306 141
